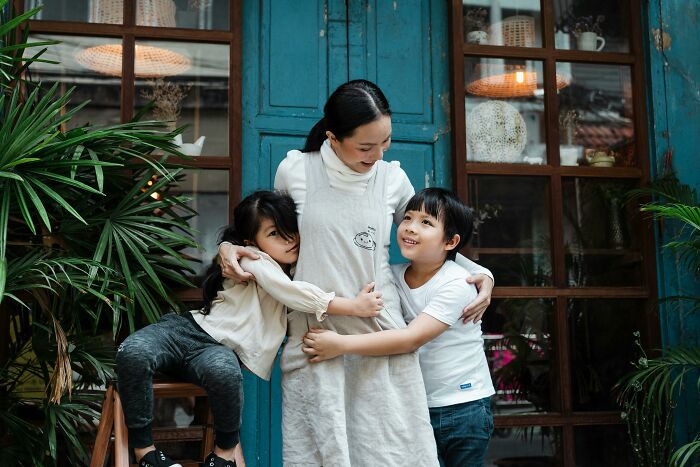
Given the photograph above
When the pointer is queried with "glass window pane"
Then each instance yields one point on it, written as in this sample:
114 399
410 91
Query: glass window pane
209 192
511 235
84 11
602 347
589 439
603 246
192 14
533 446
596 125
517 337
516 23
74 57
189 84
504 105
594 25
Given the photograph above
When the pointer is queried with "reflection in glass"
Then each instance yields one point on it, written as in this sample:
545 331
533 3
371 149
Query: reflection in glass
103 92
196 97
191 14
515 24
180 412
602 347
593 25
518 344
504 106
596 116
84 11
208 190
589 439
511 235
602 246
534 446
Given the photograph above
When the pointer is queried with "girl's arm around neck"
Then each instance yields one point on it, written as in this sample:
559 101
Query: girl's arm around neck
324 345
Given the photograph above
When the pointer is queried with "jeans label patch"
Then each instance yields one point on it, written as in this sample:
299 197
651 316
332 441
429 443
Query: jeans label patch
465 386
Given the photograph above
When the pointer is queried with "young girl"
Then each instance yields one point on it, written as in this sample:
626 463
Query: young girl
247 318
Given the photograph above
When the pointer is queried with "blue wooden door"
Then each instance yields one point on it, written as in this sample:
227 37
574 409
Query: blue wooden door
294 55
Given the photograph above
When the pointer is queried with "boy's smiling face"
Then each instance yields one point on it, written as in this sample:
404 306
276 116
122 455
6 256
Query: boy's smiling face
421 238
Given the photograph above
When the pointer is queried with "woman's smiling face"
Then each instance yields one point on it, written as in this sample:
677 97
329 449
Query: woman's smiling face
365 146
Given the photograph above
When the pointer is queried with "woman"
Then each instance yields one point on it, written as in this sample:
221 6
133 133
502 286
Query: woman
351 410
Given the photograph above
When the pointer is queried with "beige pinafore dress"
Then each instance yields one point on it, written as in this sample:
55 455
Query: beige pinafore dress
352 410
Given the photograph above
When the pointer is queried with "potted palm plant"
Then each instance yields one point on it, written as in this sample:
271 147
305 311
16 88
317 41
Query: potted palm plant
650 392
86 252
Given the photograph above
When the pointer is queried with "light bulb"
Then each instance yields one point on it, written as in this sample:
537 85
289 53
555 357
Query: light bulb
519 77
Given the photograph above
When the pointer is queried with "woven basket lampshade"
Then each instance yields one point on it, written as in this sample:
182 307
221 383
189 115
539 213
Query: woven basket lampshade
156 13
505 80
149 61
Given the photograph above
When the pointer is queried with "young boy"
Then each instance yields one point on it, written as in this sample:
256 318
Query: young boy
433 294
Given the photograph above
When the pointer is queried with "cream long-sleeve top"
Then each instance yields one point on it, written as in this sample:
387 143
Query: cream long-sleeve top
251 318
291 177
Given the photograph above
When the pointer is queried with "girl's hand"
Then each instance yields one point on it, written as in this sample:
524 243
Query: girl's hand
322 344
368 303
475 310
228 258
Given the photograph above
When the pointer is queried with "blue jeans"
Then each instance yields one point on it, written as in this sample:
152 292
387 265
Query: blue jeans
462 432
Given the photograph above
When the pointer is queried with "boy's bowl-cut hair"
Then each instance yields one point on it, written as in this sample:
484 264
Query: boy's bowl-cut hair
457 218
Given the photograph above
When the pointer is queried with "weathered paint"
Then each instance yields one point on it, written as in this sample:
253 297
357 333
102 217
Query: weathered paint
671 44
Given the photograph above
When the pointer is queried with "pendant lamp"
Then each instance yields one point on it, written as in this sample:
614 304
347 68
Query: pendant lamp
501 80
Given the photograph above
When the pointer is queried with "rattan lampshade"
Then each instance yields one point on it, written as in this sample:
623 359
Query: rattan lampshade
505 80
149 61
501 80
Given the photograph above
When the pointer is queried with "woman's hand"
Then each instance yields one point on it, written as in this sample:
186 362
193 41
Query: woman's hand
475 310
229 256
368 303
321 344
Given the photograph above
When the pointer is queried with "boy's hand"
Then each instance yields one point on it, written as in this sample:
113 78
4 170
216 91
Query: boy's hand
475 310
322 344
368 303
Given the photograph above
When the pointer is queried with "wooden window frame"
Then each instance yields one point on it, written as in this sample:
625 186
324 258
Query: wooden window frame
129 32
567 419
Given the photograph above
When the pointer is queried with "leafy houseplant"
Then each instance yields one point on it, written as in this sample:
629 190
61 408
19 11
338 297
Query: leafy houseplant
648 394
90 240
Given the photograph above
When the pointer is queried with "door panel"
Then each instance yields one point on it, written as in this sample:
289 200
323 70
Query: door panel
294 55
403 47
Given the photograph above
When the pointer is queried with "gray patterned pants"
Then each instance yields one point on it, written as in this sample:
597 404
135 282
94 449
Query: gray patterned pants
178 347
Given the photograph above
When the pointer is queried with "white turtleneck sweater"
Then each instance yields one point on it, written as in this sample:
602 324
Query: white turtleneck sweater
291 177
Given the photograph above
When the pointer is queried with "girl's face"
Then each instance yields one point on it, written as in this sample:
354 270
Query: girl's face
269 240
366 145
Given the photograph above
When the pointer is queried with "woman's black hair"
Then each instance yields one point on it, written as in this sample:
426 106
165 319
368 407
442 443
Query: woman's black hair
352 105
276 206
443 205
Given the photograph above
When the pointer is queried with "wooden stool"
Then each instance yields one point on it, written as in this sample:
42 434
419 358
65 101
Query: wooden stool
112 421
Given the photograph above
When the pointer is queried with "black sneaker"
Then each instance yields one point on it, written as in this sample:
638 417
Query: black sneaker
157 459
213 460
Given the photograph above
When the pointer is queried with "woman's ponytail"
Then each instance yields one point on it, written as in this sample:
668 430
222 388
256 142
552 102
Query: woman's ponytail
316 137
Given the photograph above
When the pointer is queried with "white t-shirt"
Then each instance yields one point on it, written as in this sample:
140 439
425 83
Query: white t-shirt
453 364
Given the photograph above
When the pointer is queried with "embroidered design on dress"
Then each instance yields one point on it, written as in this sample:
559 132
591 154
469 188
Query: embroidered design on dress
366 239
